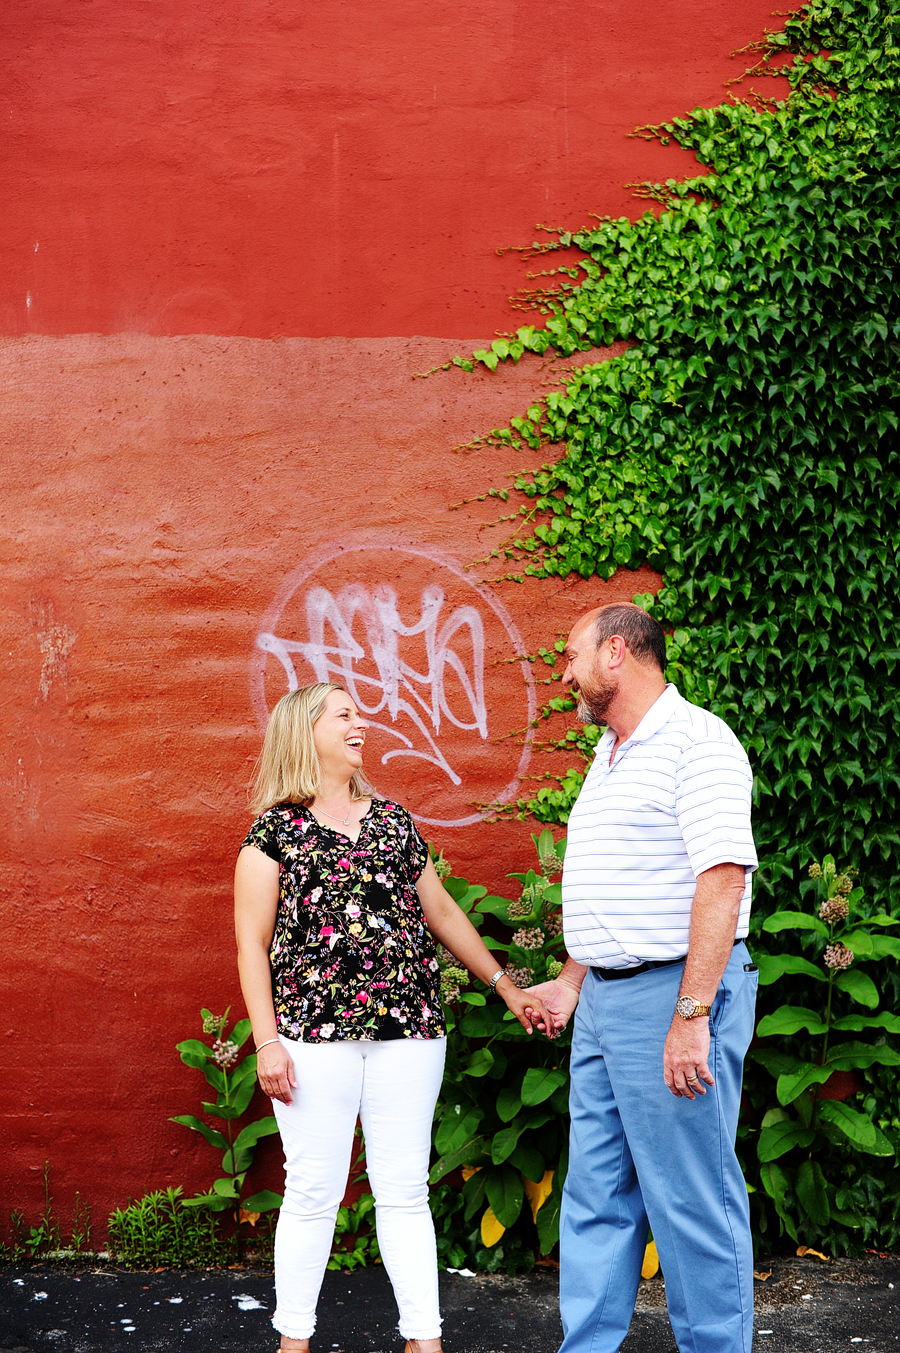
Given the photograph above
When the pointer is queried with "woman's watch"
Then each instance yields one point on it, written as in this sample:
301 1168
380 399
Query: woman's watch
501 972
688 1008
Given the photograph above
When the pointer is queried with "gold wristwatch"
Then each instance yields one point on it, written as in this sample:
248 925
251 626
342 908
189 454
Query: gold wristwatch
688 1008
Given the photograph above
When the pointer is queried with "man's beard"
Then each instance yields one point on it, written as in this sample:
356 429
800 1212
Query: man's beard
595 700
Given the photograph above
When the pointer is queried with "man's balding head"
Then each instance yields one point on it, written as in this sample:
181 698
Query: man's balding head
644 636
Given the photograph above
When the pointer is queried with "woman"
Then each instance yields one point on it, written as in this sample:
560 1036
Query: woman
336 903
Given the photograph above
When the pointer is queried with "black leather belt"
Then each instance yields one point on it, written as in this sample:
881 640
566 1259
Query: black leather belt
618 974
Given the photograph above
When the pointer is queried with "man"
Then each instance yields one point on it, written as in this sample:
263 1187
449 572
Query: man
656 900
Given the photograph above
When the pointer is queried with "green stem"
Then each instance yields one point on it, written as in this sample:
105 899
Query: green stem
812 1121
233 1171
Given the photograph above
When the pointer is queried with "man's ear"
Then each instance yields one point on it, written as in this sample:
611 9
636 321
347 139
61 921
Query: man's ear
617 650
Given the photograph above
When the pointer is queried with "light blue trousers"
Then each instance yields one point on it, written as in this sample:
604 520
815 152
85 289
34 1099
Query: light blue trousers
640 1155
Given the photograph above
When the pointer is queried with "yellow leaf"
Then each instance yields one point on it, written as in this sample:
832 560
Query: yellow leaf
537 1194
251 1217
817 1254
469 1170
650 1266
491 1229
762 1276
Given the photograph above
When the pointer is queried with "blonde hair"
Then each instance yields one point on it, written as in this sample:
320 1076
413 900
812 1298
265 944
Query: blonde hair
288 767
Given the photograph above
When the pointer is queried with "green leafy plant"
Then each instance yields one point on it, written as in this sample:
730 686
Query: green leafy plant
807 1136
233 1079
745 445
355 1244
158 1230
45 1240
46 1237
502 1113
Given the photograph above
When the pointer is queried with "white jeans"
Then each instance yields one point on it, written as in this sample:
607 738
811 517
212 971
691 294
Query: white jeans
392 1087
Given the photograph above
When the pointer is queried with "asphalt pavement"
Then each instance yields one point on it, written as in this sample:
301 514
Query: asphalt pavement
802 1306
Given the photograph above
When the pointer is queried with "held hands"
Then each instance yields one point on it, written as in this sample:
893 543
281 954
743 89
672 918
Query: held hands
528 1011
275 1072
558 999
685 1057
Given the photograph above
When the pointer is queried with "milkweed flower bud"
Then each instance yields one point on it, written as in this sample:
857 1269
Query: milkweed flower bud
834 909
554 968
529 938
213 1023
845 885
521 907
838 956
520 977
815 871
225 1054
550 862
451 981
442 867
553 924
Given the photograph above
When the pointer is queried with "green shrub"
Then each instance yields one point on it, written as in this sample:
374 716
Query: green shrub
822 1171
502 1115
157 1230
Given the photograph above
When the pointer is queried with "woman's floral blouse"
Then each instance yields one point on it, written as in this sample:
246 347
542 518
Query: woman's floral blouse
351 955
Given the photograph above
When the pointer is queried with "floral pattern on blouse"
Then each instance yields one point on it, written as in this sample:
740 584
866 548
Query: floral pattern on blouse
352 956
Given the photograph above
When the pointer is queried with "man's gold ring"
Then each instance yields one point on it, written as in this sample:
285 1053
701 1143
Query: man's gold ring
692 1078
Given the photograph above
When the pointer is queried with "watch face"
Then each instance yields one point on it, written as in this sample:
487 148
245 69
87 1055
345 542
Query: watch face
685 1006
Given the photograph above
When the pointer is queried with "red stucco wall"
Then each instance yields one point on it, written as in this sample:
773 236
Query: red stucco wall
349 168
169 501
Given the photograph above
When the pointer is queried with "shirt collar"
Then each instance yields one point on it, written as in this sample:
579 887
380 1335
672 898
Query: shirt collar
657 716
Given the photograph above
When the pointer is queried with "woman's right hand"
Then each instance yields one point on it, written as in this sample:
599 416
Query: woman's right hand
275 1072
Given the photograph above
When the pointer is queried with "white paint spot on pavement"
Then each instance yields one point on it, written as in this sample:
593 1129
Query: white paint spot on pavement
247 1303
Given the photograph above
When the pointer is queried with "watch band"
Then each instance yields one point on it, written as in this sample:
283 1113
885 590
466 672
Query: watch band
688 1008
501 972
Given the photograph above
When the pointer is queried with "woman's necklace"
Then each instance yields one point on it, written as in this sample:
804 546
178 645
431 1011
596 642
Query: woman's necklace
343 820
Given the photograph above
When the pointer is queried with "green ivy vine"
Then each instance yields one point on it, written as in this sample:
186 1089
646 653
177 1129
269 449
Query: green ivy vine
746 443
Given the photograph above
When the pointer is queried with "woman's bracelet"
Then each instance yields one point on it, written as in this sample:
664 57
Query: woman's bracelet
267 1042
501 972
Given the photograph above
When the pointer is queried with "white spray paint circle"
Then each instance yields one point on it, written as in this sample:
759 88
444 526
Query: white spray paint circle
409 702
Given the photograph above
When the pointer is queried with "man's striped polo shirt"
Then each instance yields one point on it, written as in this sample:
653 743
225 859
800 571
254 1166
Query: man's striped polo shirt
675 802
